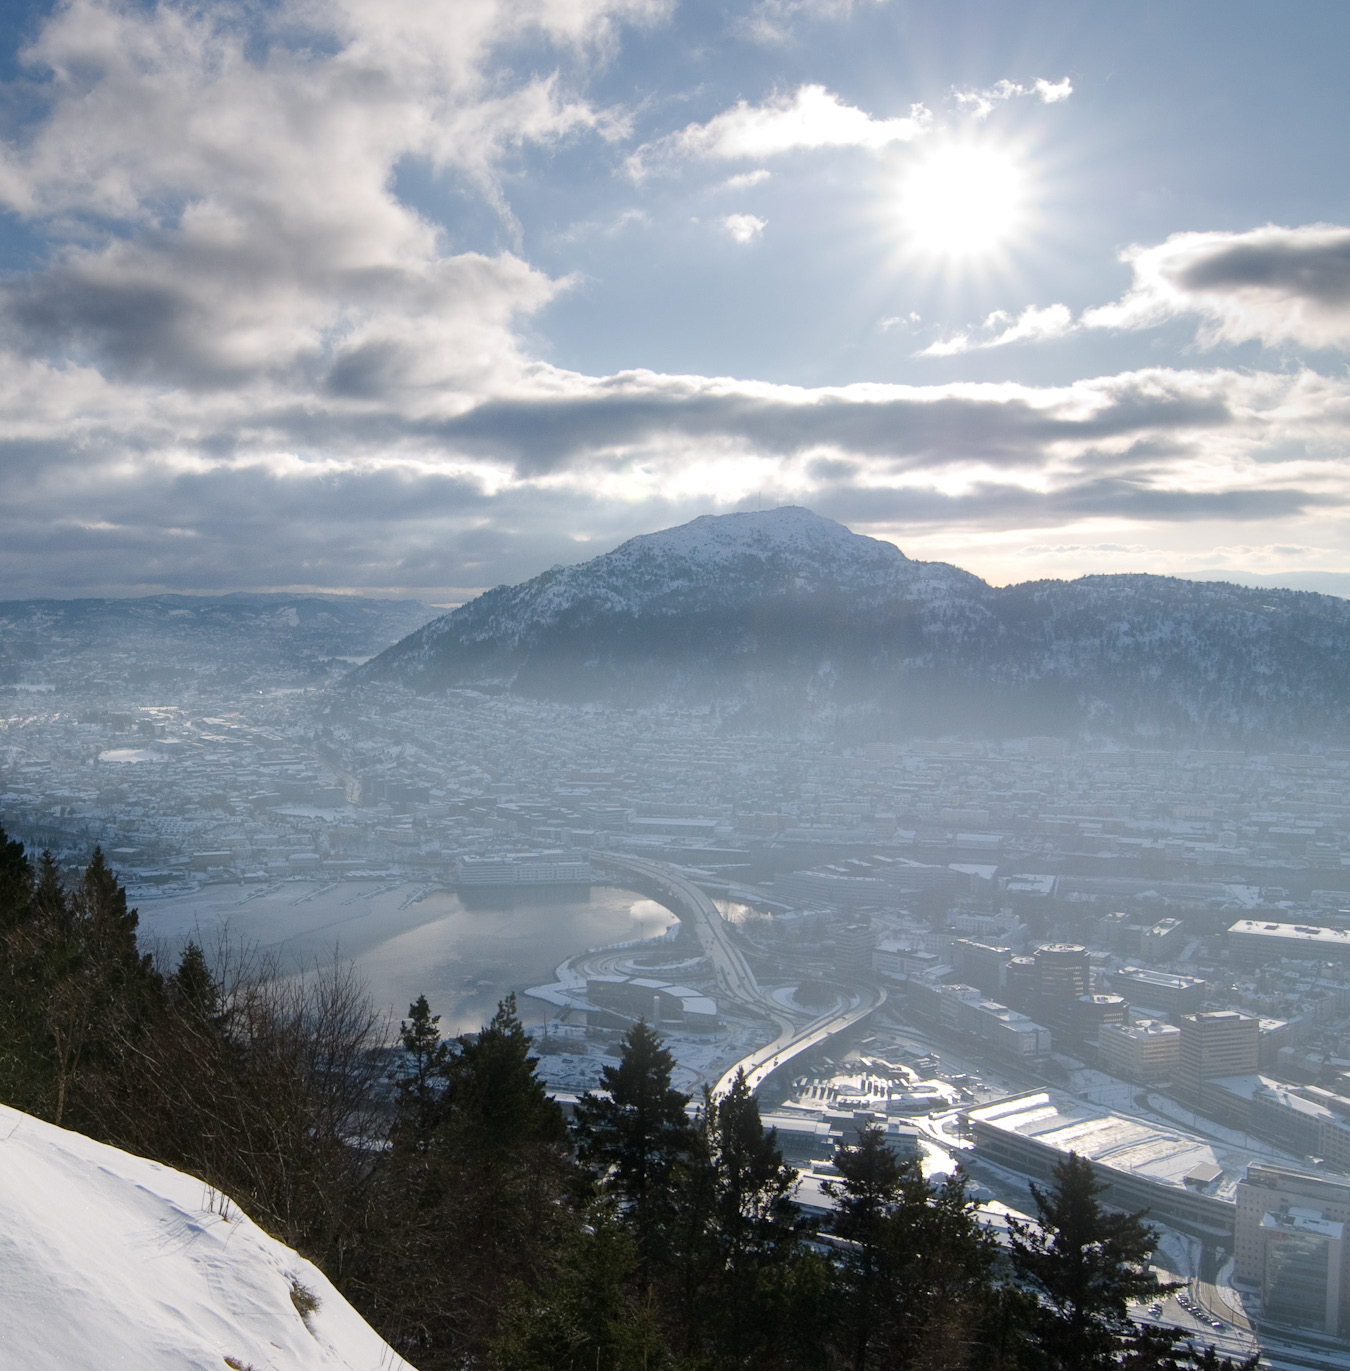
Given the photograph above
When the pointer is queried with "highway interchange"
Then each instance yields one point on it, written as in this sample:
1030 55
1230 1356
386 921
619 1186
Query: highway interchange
736 982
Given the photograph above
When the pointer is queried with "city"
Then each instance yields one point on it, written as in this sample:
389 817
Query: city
998 950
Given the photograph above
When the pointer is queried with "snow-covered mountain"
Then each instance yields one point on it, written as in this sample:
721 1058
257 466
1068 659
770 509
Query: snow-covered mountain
109 1260
787 618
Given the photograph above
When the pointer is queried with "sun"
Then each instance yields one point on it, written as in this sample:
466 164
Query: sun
963 200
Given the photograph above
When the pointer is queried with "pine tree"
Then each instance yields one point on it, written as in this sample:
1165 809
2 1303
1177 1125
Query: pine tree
421 1077
636 1134
584 1316
919 1273
1086 1265
16 883
863 1200
473 1194
750 1302
21 1009
498 1108
194 987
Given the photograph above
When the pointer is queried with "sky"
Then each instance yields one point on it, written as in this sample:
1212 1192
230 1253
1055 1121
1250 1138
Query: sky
417 297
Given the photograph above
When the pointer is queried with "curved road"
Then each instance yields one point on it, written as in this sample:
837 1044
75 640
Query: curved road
735 980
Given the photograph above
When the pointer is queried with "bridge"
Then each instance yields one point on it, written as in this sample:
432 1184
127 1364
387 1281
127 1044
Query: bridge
735 980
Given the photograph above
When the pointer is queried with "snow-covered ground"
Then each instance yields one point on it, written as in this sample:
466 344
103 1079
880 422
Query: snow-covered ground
108 1260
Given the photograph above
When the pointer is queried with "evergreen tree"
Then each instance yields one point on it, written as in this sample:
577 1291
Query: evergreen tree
16 883
919 1273
475 1205
498 1108
636 1134
749 1302
1086 1265
584 1316
421 1078
863 1200
21 999
194 987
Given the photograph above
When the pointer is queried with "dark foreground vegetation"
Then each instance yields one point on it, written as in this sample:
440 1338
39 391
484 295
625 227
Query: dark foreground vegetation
445 1195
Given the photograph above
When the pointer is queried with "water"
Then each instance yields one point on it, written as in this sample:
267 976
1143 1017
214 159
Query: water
462 959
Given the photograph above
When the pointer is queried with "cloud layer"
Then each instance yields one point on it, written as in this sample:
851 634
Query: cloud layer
243 357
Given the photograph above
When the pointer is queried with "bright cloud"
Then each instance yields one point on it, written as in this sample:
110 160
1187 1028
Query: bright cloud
1034 324
810 118
1274 285
372 490
774 20
981 103
222 217
746 179
1270 285
244 356
744 228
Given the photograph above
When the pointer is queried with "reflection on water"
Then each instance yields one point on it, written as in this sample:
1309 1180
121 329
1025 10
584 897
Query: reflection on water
462 959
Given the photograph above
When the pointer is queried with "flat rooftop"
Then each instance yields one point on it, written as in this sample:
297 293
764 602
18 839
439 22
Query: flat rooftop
1120 1142
1163 980
1316 937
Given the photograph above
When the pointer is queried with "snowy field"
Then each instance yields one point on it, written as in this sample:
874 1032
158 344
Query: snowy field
406 938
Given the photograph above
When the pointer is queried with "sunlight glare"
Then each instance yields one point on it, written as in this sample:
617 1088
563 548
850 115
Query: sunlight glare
963 200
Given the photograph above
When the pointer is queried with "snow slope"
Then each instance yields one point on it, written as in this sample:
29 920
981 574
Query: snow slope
110 1261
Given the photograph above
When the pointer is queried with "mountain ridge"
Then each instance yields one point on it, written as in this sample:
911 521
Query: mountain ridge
787 619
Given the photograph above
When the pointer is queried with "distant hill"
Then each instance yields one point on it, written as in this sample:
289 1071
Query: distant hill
227 638
787 619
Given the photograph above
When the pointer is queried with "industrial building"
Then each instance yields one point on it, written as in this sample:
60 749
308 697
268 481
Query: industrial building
1254 942
963 1009
1216 1043
1181 1180
980 964
540 868
1093 1012
1063 976
1159 990
663 1004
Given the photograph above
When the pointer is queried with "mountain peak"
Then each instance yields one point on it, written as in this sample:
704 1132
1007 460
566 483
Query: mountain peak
785 531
